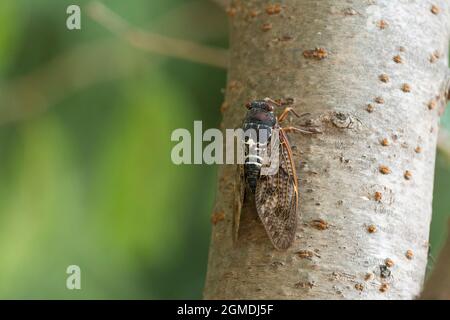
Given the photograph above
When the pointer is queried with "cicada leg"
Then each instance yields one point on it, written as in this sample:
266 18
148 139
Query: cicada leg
285 113
294 129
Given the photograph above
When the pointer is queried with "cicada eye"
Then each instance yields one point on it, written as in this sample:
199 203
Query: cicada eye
248 105
269 107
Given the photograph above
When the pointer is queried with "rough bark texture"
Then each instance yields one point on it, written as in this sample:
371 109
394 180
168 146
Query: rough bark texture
363 199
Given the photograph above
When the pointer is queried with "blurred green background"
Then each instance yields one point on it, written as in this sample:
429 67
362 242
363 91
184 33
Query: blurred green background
85 170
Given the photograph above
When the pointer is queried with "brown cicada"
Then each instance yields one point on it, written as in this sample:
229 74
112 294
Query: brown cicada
275 194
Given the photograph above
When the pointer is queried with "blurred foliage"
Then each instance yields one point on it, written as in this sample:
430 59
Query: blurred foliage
89 180
85 174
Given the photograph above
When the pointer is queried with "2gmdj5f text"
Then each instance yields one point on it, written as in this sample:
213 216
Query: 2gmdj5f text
232 309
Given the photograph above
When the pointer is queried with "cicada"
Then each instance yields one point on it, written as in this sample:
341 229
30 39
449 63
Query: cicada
275 195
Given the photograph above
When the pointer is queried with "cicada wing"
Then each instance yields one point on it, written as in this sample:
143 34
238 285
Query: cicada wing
239 196
276 199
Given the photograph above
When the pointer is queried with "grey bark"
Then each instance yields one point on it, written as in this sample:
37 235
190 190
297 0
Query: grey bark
347 234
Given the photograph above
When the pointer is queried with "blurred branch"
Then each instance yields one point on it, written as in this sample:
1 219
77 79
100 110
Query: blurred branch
222 3
183 20
80 68
156 43
75 70
438 285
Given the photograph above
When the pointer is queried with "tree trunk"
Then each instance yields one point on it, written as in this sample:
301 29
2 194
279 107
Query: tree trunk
372 76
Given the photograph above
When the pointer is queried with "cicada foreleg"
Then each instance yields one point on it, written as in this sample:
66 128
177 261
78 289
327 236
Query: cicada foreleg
285 113
295 129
